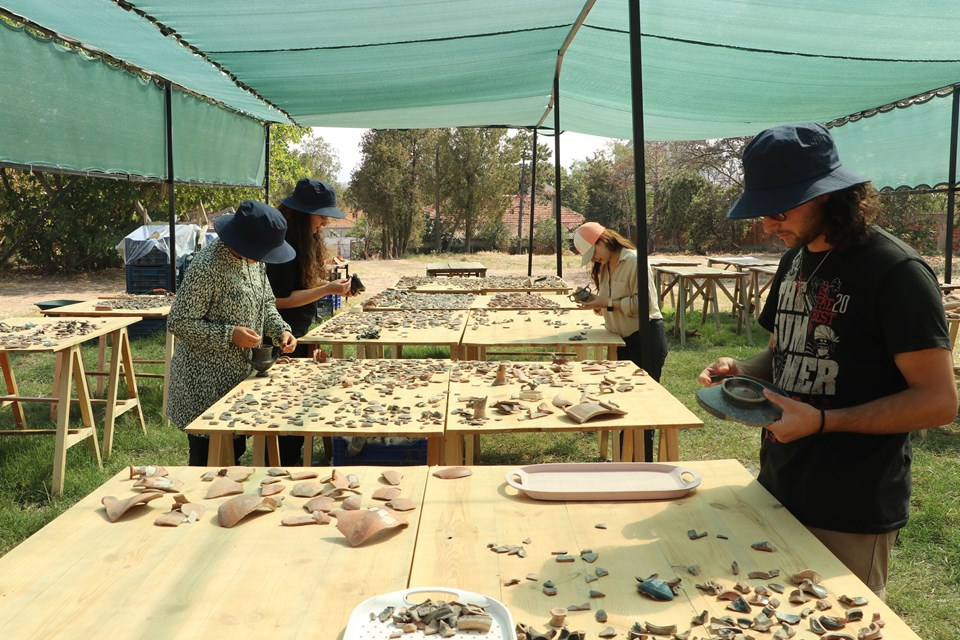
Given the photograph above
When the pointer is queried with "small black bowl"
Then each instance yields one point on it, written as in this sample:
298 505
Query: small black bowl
743 390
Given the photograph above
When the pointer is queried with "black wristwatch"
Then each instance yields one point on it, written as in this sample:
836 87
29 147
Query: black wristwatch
609 304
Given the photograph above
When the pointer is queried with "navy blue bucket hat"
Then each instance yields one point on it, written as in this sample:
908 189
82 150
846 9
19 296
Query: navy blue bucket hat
314 197
256 231
786 166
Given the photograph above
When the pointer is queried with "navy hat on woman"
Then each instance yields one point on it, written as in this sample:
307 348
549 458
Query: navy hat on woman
786 166
314 197
256 231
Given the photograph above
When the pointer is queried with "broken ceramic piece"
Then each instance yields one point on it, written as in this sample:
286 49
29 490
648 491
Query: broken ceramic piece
115 507
224 487
452 473
360 526
159 483
236 509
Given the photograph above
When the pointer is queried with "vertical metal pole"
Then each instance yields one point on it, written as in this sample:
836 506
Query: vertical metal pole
523 169
171 196
266 172
556 169
640 202
533 202
951 186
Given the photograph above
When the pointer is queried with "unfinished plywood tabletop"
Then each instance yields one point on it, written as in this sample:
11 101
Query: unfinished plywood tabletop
647 404
83 577
371 398
464 521
373 331
575 331
524 300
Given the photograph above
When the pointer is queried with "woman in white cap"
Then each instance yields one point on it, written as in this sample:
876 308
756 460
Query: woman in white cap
223 309
299 283
614 275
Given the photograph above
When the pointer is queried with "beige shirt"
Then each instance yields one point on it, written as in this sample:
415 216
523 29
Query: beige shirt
623 287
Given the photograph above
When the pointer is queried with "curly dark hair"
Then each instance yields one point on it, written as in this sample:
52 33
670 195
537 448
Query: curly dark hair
614 242
848 214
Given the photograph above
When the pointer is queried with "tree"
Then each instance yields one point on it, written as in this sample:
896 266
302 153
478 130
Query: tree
320 159
480 180
386 185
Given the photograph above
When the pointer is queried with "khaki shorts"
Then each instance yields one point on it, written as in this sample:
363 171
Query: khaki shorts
867 555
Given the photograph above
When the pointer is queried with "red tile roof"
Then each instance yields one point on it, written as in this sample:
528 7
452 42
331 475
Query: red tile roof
569 218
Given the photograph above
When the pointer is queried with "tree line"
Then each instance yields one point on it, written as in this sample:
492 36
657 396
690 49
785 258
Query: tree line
426 190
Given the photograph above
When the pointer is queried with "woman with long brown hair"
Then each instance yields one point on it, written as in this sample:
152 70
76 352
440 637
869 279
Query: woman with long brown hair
301 282
614 275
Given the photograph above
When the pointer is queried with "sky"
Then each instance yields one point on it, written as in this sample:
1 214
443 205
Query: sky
346 142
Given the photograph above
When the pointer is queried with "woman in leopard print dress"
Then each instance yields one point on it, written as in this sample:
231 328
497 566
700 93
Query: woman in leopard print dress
224 307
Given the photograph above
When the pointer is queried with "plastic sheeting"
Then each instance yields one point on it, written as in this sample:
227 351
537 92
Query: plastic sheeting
150 244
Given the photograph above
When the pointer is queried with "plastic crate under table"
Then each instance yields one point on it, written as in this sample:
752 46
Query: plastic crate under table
406 454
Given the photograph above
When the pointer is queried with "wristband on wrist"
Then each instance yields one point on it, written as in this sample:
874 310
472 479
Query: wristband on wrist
823 420
609 304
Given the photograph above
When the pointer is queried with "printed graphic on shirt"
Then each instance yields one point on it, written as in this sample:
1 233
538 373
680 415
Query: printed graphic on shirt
804 336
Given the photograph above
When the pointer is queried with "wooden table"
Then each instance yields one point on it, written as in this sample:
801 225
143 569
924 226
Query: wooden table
456 269
544 328
307 399
703 282
741 262
664 261
403 300
529 300
442 328
757 288
82 577
462 517
70 377
161 311
648 406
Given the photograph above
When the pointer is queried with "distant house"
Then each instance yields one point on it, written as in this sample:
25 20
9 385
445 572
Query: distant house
569 219
337 232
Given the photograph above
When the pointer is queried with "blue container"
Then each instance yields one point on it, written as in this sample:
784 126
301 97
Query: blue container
147 327
388 455
144 279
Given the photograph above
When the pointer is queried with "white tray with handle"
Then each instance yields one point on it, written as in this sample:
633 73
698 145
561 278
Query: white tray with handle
602 481
362 627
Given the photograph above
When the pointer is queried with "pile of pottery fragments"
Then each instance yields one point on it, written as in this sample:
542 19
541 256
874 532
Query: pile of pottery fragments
47 334
520 301
341 393
363 325
400 299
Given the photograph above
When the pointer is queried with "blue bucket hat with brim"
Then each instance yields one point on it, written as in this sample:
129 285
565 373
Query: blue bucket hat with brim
786 166
314 197
256 231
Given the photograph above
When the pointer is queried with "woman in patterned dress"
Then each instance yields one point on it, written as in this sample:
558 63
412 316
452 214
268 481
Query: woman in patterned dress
224 308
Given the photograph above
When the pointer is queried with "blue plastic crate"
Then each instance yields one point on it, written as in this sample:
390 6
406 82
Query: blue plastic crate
144 279
147 327
388 455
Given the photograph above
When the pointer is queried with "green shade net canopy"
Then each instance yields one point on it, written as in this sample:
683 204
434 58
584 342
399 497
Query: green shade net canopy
711 68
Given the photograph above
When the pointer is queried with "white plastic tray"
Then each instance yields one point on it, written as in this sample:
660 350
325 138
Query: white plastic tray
361 627
603 481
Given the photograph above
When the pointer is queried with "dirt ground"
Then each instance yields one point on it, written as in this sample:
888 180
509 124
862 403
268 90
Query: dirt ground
20 290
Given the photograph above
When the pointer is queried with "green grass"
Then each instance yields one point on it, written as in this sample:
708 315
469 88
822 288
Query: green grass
925 569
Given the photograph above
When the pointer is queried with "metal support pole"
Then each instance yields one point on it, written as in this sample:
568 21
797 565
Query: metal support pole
640 202
533 202
266 171
171 196
556 169
523 169
951 186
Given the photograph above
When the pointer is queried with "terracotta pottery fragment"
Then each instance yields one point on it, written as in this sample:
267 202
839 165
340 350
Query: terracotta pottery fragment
116 508
317 517
303 475
360 526
392 477
306 489
352 503
160 483
224 487
146 471
584 411
452 473
278 473
402 504
386 493
320 503
238 474
181 511
271 489
236 509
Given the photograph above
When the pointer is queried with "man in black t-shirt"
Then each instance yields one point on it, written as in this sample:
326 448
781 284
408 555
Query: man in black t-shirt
858 341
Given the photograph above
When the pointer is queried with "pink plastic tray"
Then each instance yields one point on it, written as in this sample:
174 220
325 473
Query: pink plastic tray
603 481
